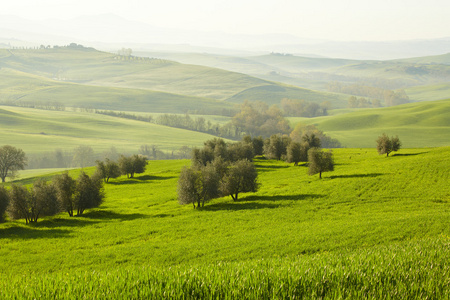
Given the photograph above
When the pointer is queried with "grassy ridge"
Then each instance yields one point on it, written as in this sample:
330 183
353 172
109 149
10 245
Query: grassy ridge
37 131
28 88
376 226
417 125
429 92
90 67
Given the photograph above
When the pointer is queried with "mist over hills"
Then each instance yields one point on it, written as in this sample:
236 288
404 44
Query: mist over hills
110 32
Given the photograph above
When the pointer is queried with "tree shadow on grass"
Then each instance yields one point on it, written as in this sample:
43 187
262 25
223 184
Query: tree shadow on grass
357 175
141 179
264 168
238 206
298 197
110 215
62 222
154 178
251 202
32 233
408 154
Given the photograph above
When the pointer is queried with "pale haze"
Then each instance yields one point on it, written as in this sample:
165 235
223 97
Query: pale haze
344 20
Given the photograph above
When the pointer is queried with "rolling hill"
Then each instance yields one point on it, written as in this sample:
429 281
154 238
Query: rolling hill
423 124
316 72
41 131
88 67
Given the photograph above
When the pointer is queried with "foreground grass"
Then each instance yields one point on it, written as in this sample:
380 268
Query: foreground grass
375 228
417 269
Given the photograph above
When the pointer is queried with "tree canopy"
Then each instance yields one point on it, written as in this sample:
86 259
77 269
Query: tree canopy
11 160
386 145
319 161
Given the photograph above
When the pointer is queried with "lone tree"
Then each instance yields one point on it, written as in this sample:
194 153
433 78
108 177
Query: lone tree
386 145
11 160
241 177
4 201
319 161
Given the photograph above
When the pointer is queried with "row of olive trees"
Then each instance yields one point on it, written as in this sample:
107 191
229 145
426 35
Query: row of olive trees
218 169
126 165
46 199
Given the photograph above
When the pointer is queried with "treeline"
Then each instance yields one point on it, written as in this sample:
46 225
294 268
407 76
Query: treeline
303 108
198 124
84 156
390 97
49 105
125 115
181 121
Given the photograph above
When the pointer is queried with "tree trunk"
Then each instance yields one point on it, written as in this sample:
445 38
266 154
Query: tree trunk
3 179
320 175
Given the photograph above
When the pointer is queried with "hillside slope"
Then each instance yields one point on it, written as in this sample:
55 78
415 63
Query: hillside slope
40 131
90 67
425 124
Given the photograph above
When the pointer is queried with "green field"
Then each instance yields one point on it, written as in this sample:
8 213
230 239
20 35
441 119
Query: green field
376 227
424 124
39 131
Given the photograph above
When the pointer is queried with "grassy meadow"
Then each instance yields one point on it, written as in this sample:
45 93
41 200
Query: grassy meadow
38 131
423 124
376 227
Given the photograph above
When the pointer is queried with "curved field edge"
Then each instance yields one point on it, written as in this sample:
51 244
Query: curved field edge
408 270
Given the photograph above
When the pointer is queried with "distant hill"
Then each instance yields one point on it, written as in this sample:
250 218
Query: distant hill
86 67
436 59
317 72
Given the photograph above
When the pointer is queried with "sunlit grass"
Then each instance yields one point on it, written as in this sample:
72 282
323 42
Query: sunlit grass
375 227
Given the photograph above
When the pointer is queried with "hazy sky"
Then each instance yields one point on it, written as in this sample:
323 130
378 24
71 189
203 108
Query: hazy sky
317 19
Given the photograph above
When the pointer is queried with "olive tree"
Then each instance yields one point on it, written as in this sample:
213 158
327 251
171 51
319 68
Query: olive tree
107 169
197 186
131 165
65 190
386 145
19 206
30 205
4 201
319 161
275 146
189 186
11 160
296 153
88 192
241 177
